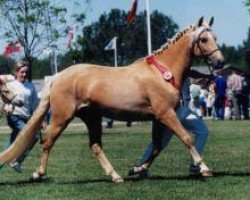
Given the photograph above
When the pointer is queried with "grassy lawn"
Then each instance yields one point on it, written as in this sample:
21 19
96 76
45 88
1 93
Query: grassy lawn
73 173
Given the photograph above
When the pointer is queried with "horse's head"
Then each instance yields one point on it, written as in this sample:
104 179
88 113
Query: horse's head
204 44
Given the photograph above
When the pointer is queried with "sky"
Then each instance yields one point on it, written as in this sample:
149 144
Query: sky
232 19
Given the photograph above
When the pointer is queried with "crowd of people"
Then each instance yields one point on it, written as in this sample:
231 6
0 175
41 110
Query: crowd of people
224 96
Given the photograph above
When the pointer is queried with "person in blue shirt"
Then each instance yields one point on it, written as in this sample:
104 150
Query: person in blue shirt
220 95
191 121
17 117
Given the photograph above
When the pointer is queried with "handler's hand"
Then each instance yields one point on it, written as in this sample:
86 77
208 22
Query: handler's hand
44 125
8 108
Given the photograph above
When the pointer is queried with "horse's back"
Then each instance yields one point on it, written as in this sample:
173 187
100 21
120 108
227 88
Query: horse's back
119 89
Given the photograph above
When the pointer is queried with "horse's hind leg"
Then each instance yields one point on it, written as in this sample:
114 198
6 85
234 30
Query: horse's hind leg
94 125
52 134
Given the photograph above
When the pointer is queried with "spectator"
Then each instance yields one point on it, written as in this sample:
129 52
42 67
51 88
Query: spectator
234 83
203 100
17 117
210 98
195 91
220 95
245 97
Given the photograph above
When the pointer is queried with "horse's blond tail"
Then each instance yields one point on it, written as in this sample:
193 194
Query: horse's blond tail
27 136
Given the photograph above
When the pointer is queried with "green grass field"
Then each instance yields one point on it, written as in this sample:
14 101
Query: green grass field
73 173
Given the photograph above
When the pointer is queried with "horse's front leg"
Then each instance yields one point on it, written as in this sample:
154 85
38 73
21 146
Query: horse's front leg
170 119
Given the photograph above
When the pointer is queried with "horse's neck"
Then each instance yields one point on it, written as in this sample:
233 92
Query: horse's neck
177 57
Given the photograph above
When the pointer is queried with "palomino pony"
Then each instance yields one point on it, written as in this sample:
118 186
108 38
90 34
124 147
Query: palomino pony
146 90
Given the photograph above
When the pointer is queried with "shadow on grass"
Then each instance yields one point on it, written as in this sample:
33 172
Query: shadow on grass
161 178
128 179
230 173
26 182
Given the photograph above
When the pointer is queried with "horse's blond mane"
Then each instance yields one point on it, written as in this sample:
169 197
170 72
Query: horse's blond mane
173 40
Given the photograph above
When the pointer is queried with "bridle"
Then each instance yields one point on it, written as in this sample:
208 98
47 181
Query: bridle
204 56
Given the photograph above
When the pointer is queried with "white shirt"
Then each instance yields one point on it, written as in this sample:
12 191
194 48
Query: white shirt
27 94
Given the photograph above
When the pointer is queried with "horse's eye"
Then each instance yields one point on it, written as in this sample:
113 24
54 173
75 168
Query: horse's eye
204 40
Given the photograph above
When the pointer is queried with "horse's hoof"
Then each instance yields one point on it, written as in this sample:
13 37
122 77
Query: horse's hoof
202 174
118 180
36 176
206 174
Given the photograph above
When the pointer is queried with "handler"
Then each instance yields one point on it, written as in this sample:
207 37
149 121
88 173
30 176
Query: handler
192 122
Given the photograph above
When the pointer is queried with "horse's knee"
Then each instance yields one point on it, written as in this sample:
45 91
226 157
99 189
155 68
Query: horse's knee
96 149
187 139
47 144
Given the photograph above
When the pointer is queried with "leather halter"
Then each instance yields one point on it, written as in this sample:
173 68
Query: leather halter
167 75
197 42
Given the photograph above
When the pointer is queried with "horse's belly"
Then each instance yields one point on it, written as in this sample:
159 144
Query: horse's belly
142 114
128 116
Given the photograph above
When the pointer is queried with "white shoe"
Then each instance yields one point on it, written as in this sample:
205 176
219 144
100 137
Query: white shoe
16 166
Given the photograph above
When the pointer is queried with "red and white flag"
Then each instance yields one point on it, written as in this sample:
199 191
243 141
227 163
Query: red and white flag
132 12
71 36
12 47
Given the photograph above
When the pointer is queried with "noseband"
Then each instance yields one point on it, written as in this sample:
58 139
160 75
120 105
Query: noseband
197 42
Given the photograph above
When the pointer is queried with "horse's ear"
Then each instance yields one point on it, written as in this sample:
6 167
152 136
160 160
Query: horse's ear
211 21
200 22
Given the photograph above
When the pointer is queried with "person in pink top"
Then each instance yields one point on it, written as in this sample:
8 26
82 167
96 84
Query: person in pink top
234 83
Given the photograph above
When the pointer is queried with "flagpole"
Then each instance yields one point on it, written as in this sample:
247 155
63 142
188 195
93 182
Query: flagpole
54 53
115 52
148 27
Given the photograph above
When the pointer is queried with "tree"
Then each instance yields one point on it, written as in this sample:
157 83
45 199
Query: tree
6 65
247 3
132 39
232 54
29 22
36 24
246 45
247 42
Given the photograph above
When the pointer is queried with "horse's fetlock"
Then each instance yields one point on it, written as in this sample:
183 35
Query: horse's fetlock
96 149
41 171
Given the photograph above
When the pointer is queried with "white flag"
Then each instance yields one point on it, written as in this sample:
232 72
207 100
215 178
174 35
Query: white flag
71 35
111 44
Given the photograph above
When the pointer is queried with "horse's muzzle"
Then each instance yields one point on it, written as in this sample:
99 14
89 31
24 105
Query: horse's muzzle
219 64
